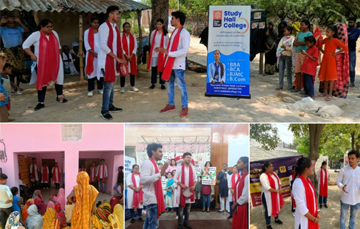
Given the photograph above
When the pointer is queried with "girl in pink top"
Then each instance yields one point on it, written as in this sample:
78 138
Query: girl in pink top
171 167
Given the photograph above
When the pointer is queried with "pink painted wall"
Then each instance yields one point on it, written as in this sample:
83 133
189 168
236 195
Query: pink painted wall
36 138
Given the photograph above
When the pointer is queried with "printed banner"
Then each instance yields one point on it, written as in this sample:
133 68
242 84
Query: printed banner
282 167
228 60
209 176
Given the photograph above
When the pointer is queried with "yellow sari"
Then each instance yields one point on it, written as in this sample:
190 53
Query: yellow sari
117 218
85 196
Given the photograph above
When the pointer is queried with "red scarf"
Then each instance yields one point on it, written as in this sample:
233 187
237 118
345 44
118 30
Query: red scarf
103 173
137 196
310 200
233 183
56 171
191 183
158 191
110 74
45 173
48 61
93 175
293 200
90 59
323 183
161 55
133 64
240 217
274 196
170 60
34 171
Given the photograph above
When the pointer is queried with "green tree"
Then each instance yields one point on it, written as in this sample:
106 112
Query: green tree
266 134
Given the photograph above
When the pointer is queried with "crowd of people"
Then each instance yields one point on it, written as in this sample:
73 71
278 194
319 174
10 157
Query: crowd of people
169 188
109 53
78 210
300 48
304 204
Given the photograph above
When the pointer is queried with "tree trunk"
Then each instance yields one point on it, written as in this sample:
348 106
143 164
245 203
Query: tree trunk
160 9
315 131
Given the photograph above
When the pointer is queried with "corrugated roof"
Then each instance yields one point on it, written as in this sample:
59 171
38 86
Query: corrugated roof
93 6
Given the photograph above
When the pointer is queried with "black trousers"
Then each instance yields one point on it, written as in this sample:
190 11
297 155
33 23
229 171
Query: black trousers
154 73
57 185
4 215
42 93
132 80
91 83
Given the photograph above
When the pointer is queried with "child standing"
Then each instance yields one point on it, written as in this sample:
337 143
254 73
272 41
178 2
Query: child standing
308 69
7 84
16 199
284 54
169 193
300 44
328 72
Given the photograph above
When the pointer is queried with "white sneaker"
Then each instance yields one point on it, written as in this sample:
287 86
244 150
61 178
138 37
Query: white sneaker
19 93
101 91
134 89
293 214
122 90
90 93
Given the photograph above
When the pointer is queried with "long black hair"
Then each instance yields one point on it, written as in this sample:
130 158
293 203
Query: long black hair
162 22
44 22
209 163
301 165
245 160
266 164
125 23
334 29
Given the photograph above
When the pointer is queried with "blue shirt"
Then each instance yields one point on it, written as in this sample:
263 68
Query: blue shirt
301 37
353 35
2 90
16 199
11 37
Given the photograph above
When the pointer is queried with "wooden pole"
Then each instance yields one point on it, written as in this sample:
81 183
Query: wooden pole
149 19
81 47
36 17
140 37
261 64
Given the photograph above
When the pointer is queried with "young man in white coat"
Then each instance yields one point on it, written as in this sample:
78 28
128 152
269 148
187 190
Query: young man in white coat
185 177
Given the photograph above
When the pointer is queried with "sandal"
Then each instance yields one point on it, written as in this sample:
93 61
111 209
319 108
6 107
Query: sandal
295 90
278 88
321 95
328 98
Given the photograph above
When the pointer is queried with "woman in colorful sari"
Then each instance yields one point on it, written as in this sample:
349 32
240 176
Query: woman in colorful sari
37 193
85 196
117 218
270 53
60 198
34 220
13 222
24 213
40 205
54 217
103 212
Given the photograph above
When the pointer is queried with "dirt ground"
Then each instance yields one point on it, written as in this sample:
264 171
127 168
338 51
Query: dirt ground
330 217
264 106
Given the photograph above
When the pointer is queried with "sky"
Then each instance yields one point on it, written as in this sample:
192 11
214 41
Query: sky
284 134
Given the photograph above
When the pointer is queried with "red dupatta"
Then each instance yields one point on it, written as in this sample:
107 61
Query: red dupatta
310 201
133 64
274 195
137 196
56 171
45 174
110 74
90 59
170 60
233 183
191 182
49 60
161 55
240 217
323 183
158 191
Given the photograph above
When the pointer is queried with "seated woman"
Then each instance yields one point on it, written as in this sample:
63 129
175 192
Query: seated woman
14 221
34 220
60 198
40 205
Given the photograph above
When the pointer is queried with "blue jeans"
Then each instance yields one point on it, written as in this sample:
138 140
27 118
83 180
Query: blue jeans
353 214
322 199
103 186
267 218
151 219
308 83
108 96
352 59
285 62
179 75
206 200
231 211
138 212
116 188
185 212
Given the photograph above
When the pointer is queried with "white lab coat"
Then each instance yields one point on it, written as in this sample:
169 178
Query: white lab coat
130 192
